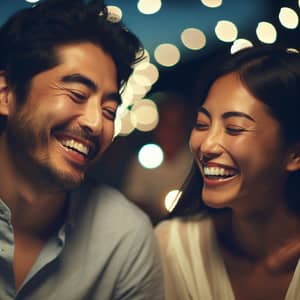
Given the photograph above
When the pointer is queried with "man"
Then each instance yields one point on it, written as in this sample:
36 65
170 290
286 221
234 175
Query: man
61 236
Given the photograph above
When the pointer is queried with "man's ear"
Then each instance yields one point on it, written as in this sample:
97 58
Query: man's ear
293 163
4 99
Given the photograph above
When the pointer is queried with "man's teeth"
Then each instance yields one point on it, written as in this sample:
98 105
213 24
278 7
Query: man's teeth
74 145
215 171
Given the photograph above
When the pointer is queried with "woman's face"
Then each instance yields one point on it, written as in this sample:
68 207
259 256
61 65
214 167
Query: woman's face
238 148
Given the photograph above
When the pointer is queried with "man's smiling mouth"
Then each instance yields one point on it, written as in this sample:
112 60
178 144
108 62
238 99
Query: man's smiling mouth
86 148
73 145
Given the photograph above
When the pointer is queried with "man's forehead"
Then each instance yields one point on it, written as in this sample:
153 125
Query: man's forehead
87 63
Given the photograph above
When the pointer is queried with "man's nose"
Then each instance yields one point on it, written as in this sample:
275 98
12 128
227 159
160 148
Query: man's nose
91 116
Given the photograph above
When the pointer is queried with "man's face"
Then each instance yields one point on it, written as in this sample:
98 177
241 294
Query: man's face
67 120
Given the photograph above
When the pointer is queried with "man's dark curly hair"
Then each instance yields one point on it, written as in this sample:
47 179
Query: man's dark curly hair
29 40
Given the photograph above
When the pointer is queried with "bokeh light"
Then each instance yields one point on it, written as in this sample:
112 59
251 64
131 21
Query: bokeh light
150 156
167 55
212 3
288 18
193 38
144 115
123 124
226 31
114 13
149 7
266 32
171 199
148 70
240 44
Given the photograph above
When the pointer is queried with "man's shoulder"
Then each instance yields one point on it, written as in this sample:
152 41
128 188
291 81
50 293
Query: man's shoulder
107 205
106 222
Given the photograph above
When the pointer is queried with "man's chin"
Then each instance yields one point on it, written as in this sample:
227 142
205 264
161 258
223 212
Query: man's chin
69 182
66 180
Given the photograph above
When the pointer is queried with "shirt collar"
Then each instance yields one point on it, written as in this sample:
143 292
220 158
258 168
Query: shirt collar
5 213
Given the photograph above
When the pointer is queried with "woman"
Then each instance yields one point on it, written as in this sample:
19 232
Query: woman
239 237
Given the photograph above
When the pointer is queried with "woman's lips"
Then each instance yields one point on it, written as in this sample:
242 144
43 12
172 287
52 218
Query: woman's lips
215 174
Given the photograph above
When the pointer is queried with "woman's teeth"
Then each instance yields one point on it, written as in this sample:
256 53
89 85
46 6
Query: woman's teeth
218 172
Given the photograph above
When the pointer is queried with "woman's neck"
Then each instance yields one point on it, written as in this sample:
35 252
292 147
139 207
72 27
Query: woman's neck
259 235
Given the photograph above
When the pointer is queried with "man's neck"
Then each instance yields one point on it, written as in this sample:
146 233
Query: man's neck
35 207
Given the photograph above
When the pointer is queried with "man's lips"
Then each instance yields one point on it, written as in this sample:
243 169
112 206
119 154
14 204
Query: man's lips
85 147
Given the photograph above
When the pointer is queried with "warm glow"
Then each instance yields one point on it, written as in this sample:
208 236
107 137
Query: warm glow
117 126
292 50
123 124
114 14
226 31
288 18
266 32
127 95
144 115
147 70
149 7
240 44
137 88
212 3
167 55
171 199
193 38
141 80
150 156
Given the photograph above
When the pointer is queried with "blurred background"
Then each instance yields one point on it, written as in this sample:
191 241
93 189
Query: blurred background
150 158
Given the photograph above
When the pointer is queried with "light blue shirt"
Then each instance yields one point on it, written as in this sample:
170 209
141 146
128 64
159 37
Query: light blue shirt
105 250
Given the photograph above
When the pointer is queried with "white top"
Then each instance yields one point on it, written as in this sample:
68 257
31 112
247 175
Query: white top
193 266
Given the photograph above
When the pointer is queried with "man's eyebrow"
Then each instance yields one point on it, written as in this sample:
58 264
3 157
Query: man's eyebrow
204 111
239 114
78 78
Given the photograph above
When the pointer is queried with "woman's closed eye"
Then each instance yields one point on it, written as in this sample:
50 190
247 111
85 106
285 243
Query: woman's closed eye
201 126
235 130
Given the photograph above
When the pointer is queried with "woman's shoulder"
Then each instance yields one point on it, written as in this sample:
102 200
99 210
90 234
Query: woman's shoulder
181 222
179 226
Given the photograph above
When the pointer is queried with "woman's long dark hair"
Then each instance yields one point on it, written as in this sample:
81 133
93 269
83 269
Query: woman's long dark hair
272 75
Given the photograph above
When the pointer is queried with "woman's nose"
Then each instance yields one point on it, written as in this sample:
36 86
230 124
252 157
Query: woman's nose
211 145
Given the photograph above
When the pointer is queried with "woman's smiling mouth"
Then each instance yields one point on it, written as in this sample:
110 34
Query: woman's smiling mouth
214 173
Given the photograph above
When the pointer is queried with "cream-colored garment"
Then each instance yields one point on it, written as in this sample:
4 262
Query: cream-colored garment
193 266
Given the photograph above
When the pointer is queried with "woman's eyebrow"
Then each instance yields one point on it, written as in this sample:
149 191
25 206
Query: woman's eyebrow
239 114
204 111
